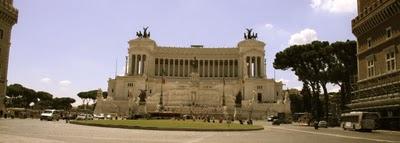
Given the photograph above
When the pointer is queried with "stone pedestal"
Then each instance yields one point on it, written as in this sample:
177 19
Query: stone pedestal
142 109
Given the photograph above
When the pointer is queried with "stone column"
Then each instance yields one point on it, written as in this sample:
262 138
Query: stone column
143 64
188 68
133 65
219 68
228 68
173 67
216 68
159 67
165 67
208 69
179 68
264 74
185 70
234 68
248 66
169 67
140 66
136 64
223 68
128 65
256 67
203 68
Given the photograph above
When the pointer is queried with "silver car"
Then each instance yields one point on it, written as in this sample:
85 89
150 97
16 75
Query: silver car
84 117
323 124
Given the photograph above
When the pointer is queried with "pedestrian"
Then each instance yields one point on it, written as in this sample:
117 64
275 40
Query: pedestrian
67 117
316 124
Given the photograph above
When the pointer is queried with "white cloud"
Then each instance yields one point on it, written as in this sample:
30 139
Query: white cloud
45 80
269 26
64 83
282 80
303 37
335 6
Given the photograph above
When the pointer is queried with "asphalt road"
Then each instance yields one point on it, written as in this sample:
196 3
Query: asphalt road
33 130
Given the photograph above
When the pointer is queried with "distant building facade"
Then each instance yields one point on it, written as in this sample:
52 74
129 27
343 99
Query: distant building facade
195 80
8 17
377 28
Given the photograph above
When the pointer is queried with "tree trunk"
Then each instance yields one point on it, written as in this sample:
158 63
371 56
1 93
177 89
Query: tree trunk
326 100
315 100
342 97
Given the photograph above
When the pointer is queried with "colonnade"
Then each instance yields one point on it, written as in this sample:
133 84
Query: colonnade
205 67
137 64
254 66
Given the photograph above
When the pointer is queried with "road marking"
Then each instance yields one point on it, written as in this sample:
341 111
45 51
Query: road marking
336 135
199 139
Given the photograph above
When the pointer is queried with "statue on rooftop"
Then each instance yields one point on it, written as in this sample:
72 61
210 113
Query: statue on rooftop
145 33
250 34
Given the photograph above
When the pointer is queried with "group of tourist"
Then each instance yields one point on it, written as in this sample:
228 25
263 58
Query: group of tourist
211 119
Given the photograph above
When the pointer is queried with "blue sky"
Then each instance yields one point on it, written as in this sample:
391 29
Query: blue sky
68 46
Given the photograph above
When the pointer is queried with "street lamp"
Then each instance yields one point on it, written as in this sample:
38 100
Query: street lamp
160 103
223 92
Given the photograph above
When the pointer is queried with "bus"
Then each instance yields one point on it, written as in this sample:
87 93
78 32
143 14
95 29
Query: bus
359 121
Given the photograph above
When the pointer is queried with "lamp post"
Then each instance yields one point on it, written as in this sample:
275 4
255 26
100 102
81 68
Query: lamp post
160 103
223 92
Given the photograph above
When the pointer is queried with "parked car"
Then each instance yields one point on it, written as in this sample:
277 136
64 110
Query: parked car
50 114
99 116
276 122
271 118
84 117
323 124
111 116
108 117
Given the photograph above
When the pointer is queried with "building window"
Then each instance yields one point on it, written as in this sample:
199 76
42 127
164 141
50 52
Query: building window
130 84
1 33
369 42
370 68
388 32
390 61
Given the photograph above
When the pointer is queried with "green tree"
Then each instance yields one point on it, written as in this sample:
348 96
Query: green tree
306 61
344 68
86 96
20 96
63 103
318 63
296 103
45 100
42 95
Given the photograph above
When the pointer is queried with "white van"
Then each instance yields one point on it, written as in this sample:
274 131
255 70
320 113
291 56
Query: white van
50 114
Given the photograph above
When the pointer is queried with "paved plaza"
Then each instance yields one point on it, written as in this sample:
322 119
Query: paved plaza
33 130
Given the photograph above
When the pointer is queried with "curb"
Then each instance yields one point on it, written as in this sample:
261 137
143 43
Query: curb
164 129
